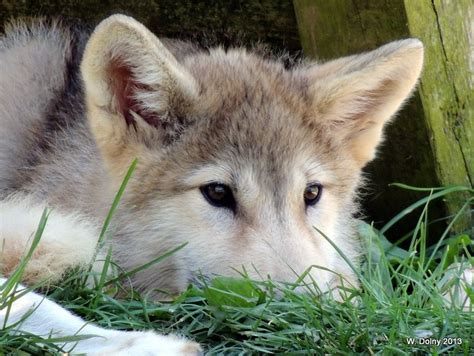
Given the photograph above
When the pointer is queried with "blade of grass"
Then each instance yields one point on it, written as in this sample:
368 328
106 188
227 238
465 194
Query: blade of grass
110 214
145 265
421 202
116 202
19 270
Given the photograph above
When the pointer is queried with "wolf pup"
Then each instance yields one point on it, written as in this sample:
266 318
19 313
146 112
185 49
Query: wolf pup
238 156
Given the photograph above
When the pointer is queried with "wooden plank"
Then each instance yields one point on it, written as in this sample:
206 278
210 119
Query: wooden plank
447 86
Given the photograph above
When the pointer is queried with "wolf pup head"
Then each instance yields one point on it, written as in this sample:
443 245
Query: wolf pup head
246 161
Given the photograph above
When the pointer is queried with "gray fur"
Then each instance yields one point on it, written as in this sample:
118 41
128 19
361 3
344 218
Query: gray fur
29 82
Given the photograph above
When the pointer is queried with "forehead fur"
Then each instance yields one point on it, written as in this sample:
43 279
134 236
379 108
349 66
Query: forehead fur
246 101
229 78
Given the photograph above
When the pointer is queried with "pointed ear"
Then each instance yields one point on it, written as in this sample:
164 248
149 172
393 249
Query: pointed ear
356 96
137 94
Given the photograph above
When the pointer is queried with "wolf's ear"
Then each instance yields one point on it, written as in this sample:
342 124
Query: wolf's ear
356 96
136 91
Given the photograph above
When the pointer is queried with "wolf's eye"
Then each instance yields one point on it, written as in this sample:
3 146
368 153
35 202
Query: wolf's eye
219 195
312 193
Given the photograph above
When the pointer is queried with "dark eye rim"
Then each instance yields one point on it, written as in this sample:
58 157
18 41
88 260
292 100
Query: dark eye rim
228 201
318 196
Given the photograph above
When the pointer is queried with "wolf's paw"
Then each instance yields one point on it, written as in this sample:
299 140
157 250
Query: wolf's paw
68 240
146 343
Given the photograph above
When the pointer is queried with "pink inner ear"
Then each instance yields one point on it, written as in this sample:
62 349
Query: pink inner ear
124 87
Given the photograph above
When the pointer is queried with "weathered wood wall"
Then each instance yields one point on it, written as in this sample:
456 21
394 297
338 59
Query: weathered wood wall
447 88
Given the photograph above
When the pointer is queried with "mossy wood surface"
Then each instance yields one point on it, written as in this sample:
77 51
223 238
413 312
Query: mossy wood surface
329 29
447 86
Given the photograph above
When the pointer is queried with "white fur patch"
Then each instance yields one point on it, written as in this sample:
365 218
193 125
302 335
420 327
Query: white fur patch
108 342
455 294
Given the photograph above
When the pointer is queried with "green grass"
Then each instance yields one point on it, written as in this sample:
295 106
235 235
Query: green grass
400 298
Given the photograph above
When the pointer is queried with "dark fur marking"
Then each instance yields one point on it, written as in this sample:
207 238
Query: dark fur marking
71 99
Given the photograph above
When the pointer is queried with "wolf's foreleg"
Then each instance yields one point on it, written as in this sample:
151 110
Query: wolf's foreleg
68 240
35 314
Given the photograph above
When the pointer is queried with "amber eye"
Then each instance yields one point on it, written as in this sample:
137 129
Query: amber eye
312 193
219 195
